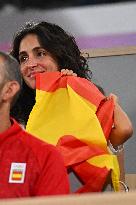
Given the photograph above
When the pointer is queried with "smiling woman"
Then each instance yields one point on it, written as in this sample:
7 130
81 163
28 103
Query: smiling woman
34 59
44 46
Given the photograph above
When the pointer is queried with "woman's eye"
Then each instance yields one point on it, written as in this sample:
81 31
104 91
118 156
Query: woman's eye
41 53
22 59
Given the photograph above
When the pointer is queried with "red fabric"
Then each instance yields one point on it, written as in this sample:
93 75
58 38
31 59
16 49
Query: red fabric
105 116
83 87
75 151
45 171
75 154
93 177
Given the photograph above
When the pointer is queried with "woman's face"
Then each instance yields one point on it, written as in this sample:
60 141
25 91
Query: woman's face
34 59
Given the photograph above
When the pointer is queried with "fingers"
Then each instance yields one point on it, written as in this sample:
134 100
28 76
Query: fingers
68 72
114 97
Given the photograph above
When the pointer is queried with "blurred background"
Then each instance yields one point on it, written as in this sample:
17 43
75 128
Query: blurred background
82 18
42 4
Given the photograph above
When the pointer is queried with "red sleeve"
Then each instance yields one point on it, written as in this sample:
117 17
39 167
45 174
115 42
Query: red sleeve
53 179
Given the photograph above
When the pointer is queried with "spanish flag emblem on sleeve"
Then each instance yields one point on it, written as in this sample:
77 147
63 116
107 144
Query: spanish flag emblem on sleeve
71 113
17 175
17 172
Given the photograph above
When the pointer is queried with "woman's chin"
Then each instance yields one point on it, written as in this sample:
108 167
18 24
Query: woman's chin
31 84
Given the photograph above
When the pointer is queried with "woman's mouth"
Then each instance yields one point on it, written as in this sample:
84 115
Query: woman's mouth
33 74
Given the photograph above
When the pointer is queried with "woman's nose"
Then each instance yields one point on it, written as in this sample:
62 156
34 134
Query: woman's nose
29 66
32 62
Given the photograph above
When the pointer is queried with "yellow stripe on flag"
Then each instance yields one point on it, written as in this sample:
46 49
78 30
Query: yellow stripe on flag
17 176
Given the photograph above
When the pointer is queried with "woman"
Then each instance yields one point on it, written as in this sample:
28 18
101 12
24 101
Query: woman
55 46
44 47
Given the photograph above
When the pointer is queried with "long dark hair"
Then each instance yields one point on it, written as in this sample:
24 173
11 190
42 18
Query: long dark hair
63 49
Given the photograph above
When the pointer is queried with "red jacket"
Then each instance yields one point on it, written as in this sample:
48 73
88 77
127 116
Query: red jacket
29 166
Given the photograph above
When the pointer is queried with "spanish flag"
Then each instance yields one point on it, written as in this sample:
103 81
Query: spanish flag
17 175
71 113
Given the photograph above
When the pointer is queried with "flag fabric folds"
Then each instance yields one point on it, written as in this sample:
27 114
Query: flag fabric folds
72 114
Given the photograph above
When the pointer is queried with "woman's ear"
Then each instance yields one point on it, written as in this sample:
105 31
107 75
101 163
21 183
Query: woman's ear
10 89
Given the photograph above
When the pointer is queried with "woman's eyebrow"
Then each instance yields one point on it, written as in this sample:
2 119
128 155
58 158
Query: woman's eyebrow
37 48
34 49
22 53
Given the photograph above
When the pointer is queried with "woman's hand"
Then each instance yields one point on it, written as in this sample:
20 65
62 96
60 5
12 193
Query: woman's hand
68 72
114 97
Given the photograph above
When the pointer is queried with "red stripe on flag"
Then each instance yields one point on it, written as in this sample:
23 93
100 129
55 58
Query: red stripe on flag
17 172
86 89
105 116
92 177
75 154
51 81
16 178
75 151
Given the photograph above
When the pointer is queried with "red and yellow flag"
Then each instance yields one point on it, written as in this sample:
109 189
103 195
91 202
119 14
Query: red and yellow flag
17 175
71 113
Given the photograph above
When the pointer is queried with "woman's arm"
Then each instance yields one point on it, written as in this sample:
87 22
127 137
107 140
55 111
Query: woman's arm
122 129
